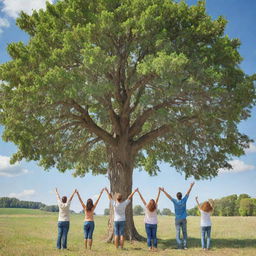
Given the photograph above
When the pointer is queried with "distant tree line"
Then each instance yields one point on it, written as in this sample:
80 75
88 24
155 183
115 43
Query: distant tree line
7 202
233 205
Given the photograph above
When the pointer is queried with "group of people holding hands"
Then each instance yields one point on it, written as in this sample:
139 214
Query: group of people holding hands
119 205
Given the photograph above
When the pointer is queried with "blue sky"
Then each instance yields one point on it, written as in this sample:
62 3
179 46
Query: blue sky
27 181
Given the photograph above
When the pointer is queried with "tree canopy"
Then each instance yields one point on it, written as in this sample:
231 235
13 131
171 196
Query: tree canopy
157 75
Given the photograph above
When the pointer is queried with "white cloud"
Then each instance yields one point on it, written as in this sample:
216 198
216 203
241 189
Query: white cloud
4 23
8 170
251 149
12 8
24 194
238 166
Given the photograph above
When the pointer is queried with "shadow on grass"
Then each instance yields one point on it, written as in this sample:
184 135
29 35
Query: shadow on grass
217 243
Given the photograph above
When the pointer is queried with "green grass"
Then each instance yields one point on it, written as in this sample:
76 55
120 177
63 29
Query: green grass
25 232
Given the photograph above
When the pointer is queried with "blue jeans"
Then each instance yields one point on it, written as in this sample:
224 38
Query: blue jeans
151 234
63 227
181 224
119 228
206 231
88 229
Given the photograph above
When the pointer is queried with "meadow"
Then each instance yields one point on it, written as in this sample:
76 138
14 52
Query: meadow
25 232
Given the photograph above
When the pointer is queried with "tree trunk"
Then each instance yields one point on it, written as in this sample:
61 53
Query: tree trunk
120 177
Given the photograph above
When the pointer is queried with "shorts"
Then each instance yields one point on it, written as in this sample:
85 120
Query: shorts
119 228
88 229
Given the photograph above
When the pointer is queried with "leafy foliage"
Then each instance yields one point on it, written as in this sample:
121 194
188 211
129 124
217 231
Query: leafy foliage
233 205
138 210
156 79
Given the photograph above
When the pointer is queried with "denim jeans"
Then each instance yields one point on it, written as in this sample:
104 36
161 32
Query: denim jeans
88 229
119 228
181 224
63 227
206 235
151 234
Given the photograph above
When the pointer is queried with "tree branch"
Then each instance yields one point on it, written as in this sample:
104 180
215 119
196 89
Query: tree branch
137 125
89 123
152 135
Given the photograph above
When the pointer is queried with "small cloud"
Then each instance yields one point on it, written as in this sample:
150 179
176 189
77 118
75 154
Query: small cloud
4 23
251 149
8 170
24 194
12 8
238 166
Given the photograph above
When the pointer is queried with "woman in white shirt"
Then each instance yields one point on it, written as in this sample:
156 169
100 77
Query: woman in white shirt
119 215
150 220
206 224
63 220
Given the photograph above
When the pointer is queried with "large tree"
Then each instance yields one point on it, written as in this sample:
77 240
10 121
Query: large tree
109 86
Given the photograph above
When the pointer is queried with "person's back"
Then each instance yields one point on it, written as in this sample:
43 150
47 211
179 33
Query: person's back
205 218
119 209
64 211
89 214
180 207
150 216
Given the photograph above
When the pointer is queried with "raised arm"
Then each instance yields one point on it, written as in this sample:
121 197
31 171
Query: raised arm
142 199
131 195
162 189
109 195
57 194
98 198
71 197
198 204
158 195
189 190
80 199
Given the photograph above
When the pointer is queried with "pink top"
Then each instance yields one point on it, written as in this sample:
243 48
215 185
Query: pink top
150 217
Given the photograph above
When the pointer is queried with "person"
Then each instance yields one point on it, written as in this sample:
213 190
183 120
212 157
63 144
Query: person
150 220
206 224
119 216
88 220
63 220
180 216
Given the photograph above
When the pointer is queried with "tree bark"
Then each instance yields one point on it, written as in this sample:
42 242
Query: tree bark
120 176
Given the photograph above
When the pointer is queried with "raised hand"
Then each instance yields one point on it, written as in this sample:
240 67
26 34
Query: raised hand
192 184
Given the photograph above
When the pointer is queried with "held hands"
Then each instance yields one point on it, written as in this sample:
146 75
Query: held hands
161 189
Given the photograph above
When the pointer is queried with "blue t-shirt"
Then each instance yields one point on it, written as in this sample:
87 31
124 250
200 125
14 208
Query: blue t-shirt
180 207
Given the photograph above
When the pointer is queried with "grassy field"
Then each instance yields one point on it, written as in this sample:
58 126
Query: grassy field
32 232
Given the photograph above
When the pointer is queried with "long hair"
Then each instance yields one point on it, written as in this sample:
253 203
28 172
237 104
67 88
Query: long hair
151 205
89 204
206 207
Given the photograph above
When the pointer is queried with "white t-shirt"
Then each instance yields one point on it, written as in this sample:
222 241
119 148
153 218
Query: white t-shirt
119 209
64 210
205 219
150 217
